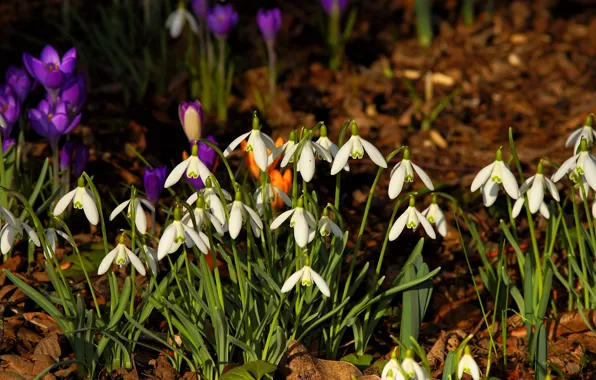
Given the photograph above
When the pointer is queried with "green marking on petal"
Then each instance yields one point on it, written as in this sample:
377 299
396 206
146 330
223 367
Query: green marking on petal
431 219
78 205
306 283
179 239
409 178
496 179
412 225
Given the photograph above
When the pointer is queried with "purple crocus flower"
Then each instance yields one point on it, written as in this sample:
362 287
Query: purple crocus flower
74 93
208 156
328 5
52 122
49 69
10 109
19 82
7 144
66 155
191 118
221 19
81 157
154 180
199 7
269 22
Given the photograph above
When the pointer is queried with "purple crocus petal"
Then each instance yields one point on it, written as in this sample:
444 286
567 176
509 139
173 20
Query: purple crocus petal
221 19
68 66
191 118
66 155
72 125
269 22
81 157
39 122
328 5
10 108
37 69
199 7
27 61
19 82
74 93
45 107
60 107
53 79
154 180
197 183
7 144
70 54
58 124
207 154
49 55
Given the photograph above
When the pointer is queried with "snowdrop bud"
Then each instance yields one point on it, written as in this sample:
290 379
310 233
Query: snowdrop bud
255 121
177 214
354 129
323 131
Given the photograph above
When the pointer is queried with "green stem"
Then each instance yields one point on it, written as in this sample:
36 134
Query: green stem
423 22
580 242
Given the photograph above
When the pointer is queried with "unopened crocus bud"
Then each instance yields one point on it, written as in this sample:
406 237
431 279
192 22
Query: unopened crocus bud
7 144
329 4
191 118
269 22
199 7
10 109
81 157
74 93
221 19
66 155
154 180
19 82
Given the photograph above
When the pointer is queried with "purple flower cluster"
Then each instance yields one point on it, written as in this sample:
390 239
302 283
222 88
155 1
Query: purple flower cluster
66 92
81 157
12 95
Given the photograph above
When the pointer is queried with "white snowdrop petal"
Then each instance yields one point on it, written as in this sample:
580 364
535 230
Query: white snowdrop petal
191 21
119 209
426 225
374 153
306 163
398 226
260 153
301 231
166 241
590 171
573 137
177 24
135 261
552 188
482 176
509 181
254 216
544 210
341 158
288 155
423 176
90 208
235 221
281 218
7 235
322 152
396 182
565 168
64 202
524 187
536 196
140 218
107 261
235 143
177 173
32 234
292 281
336 230
320 282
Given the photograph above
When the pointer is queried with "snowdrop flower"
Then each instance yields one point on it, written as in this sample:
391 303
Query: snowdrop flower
435 216
306 276
203 218
579 181
150 255
411 218
491 176
121 256
193 166
392 371
535 187
302 222
327 226
271 193
240 213
306 159
288 149
212 201
404 172
584 164
328 145
13 230
140 217
175 20
468 364
411 368
258 143
355 148
176 234
585 132
82 199
52 237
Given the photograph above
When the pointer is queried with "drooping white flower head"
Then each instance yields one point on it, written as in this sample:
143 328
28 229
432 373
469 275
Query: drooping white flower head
391 370
241 213
535 187
579 181
491 176
82 198
213 202
140 217
411 218
203 218
176 19
355 148
270 192
468 364
302 221
435 216
306 276
121 256
258 143
404 172
585 132
288 149
306 160
328 145
52 237
327 226
150 255
412 368
13 231
192 166
176 234
583 163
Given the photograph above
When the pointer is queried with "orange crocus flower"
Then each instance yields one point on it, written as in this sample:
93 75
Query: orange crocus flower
252 164
284 183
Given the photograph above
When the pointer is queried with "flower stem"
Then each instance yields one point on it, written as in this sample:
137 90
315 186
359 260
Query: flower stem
272 65
221 85
55 166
